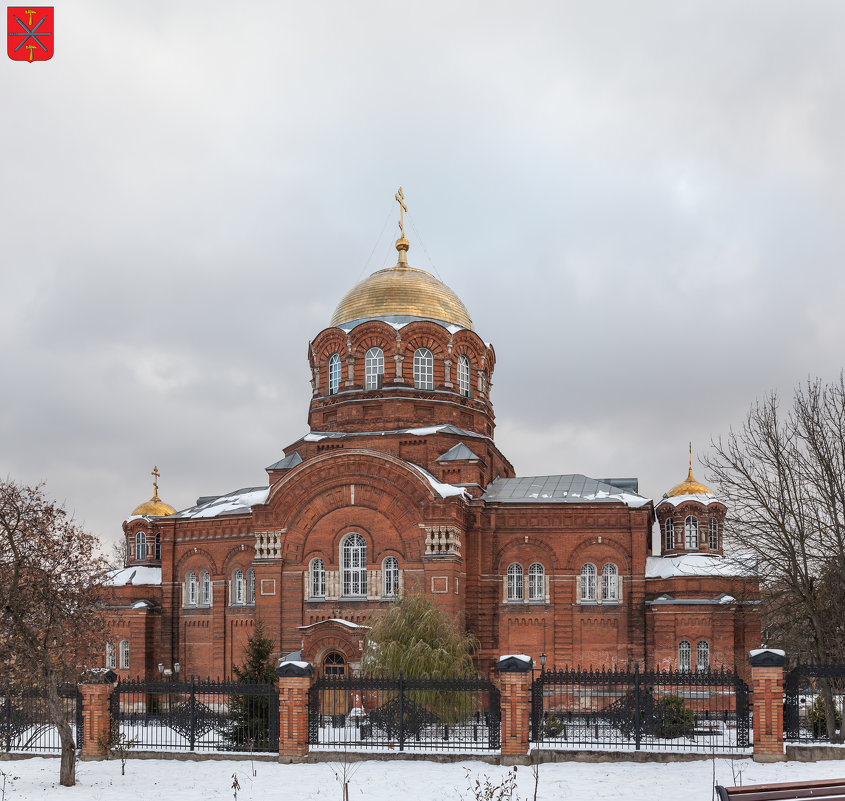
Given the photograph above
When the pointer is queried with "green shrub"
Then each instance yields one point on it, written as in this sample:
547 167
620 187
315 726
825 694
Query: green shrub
816 715
673 718
552 727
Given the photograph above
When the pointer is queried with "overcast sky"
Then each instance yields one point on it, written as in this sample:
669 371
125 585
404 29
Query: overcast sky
640 204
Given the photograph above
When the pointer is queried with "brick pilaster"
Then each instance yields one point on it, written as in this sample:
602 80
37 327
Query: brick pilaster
514 682
294 682
767 685
95 687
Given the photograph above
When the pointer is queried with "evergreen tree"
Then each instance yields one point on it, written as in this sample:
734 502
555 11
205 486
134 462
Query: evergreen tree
249 715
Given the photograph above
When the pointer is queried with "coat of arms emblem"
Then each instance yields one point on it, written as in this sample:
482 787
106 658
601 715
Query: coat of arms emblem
30 33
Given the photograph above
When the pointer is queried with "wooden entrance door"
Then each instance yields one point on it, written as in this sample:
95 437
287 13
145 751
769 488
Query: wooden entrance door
335 701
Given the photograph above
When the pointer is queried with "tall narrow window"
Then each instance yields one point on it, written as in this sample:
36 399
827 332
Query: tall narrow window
237 586
334 374
390 577
373 368
318 579
536 582
691 533
158 548
353 560
111 656
610 583
205 588
588 582
684 656
124 654
140 546
515 582
250 586
463 376
702 656
191 588
423 369
669 534
714 534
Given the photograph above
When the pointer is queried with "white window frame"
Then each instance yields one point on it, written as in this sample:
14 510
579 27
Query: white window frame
516 583
353 566
191 588
691 533
317 578
713 543
374 368
333 374
423 369
463 375
390 577
684 656
610 583
111 656
237 587
250 586
589 576
124 654
702 656
204 598
669 534
536 582
141 546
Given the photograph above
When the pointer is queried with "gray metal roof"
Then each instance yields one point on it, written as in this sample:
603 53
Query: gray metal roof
458 453
568 488
288 462
442 428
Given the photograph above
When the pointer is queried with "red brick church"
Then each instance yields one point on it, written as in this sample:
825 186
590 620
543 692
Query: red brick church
398 486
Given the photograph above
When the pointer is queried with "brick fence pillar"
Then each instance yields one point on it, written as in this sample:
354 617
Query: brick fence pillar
294 682
95 687
514 682
767 686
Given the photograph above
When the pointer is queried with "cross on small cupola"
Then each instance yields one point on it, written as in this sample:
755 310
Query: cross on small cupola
402 243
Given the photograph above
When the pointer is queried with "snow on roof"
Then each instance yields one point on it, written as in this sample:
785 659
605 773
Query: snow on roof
704 498
444 490
133 576
445 428
696 564
523 657
141 605
235 503
347 623
757 651
566 488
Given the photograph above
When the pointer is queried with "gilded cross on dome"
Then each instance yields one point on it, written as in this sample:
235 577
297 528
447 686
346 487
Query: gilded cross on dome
400 199
155 474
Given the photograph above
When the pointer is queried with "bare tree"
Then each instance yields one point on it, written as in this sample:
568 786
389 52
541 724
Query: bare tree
49 616
782 476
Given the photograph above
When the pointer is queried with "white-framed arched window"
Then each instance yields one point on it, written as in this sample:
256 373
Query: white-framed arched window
237 586
390 577
334 374
515 582
250 586
353 565
536 582
124 654
140 546
111 656
684 656
588 582
191 588
463 376
702 656
158 548
691 533
317 579
610 583
423 369
373 368
205 588
669 534
714 534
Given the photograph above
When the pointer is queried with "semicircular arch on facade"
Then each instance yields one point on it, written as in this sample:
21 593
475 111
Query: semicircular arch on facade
596 552
525 553
183 564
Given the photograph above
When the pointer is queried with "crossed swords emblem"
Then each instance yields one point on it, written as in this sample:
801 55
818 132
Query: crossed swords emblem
30 33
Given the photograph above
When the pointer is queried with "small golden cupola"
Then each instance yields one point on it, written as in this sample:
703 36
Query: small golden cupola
155 506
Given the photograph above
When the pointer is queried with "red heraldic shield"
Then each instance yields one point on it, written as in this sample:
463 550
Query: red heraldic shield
30 33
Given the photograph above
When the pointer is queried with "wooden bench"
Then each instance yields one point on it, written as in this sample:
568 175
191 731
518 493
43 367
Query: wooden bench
829 790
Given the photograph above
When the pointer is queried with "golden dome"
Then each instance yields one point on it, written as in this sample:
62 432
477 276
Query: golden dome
154 507
401 291
689 487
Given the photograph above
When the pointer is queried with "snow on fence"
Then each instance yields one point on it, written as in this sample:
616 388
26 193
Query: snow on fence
25 724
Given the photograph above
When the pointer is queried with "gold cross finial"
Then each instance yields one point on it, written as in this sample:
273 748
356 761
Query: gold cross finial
155 475
690 459
400 199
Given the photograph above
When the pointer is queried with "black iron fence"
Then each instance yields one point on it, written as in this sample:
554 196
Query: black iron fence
26 724
197 715
361 713
804 709
624 709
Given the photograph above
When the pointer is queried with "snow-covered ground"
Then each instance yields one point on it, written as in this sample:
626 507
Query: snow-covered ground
148 779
